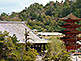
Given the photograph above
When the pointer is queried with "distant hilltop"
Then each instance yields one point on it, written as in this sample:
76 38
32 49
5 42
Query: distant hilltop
45 18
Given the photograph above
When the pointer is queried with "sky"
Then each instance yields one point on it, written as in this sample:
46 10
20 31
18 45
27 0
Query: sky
9 6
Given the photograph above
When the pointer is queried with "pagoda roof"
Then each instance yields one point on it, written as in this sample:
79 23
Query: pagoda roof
70 32
69 38
67 29
72 47
72 40
71 26
70 16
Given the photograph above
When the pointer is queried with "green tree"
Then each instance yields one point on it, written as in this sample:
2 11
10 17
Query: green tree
56 51
12 51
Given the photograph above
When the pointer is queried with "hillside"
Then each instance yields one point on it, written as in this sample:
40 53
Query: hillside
45 18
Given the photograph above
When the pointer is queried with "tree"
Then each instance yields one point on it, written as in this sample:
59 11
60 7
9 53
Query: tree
76 5
12 51
76 8
56 51
2 38
42 17
4 16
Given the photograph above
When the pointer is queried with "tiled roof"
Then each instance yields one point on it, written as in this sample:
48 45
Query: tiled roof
18 28
70 16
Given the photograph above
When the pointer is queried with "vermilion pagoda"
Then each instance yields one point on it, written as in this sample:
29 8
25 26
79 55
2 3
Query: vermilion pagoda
70 31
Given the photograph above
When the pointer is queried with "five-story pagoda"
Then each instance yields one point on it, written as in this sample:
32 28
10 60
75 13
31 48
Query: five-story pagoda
70 31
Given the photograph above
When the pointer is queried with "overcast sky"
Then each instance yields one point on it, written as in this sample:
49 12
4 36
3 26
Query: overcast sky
9 6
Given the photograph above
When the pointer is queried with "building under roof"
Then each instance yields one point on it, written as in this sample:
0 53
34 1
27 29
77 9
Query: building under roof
18 28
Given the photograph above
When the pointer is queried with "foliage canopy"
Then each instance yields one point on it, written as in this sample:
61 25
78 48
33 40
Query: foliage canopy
45 18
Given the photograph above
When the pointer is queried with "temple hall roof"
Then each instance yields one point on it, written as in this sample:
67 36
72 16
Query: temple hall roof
18 28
